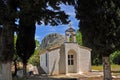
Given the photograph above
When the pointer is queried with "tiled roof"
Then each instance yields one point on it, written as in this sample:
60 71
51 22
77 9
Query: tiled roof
85 48
49 49
54 47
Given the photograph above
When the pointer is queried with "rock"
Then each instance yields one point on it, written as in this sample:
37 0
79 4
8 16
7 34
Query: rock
32 69
52 39
20 73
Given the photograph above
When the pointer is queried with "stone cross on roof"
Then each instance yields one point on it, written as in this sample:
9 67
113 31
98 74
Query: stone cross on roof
70 25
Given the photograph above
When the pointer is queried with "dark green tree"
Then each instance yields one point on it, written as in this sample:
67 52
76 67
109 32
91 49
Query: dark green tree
25 41
100 27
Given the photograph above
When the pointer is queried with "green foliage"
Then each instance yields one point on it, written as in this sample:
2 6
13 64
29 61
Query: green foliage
35 58
100 27
115 57
96 61
15 56
79 37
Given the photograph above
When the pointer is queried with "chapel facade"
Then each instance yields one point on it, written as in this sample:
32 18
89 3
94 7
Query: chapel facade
66 58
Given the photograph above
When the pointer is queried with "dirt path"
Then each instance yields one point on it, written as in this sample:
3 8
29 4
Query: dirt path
94 75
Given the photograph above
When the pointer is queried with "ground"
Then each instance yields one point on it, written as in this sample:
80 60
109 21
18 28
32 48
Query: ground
93 75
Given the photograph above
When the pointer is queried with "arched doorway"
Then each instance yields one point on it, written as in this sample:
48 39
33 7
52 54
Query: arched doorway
72 61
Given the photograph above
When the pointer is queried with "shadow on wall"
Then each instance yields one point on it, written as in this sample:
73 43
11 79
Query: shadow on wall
53 68
41 71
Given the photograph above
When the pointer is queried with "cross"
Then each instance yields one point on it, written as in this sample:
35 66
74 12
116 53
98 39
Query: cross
70 25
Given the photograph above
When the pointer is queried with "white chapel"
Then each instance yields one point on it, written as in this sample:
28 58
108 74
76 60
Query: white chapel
66 58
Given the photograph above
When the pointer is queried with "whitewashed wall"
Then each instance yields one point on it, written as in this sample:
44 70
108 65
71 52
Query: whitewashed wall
54 57
83 57
85 60
62 61
57 60
68 47
43 62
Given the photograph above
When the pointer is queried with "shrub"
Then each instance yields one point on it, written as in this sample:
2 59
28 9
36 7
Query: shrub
115 57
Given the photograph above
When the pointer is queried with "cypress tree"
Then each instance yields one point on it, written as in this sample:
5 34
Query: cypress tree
100 26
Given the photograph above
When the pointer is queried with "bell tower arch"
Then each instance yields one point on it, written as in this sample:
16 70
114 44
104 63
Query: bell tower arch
70 34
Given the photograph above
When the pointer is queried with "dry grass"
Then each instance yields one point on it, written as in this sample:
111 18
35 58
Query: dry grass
100 67
114 68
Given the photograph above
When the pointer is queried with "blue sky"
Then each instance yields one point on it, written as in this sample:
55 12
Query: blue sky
42 30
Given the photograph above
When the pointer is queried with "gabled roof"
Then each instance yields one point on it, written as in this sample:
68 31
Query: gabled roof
54 47
57 47
49 49
85 48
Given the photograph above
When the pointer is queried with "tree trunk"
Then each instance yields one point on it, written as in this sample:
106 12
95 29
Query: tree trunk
6 51
24 69
15 65
5 71
107 68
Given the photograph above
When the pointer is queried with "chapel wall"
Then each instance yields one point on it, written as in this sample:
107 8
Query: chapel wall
43 62
54 57
85 60
68 47
62 61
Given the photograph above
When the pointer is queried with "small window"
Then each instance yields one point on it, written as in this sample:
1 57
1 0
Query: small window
72 56
70 60
68 56
46 60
